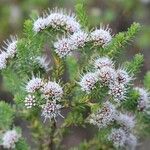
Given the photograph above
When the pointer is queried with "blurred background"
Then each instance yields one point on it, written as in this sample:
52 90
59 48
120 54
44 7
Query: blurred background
119 14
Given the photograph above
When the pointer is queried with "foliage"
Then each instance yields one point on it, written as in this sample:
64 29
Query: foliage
65 72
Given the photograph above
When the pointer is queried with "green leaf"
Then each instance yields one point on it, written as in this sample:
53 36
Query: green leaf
147 80
6 115
22 145
81 14
134 66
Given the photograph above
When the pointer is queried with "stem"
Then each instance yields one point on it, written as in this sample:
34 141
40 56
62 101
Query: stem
51 144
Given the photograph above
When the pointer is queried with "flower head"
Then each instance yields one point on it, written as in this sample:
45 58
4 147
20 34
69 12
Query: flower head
30 101
88 82
101 62
11 46
10 138
127 121
104 116
40 24
57 19
106 75
3 60
144 99
52 90
72 25
34 84
117 91
118 137
123 76
63 47
79 39
51 110
101 37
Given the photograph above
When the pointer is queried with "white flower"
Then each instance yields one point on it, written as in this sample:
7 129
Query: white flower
127 121
101 36
72 25
123 77
52 90
144 99
11 46
44 63
40 24
103 62
79 39
106 75
63 47
88 82
57 19
104 116
118 137
34 84
51 110
131 142
3 60
30 101
10 138
117 91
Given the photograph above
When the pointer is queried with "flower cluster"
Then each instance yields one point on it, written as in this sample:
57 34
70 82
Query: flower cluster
104 116
143 100
64 46
122 139
45 95
117 81
10 138
57 19
88 81
9 51
106 74
51 110
126 121
101 36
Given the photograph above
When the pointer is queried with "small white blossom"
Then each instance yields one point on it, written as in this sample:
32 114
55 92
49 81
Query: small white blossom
106 75
72 25
11 46
30 101
117 91
63 47
103 62
88 82
127 121
123 76
57 19
101 37
79 39
118 137
3 60
44 63
52 90
131 142
34 84
51 110
144 99
10 138
40 24
104 116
